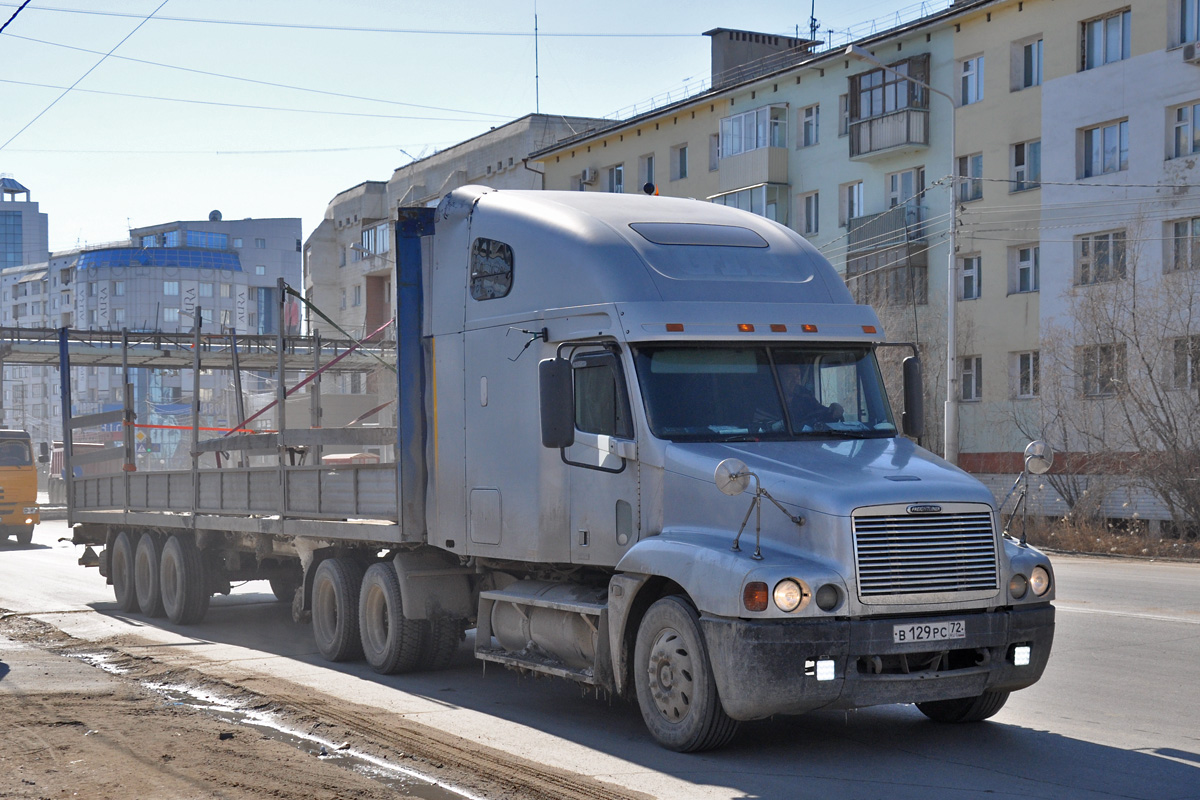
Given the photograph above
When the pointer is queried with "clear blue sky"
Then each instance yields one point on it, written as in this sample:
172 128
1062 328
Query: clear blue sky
206 130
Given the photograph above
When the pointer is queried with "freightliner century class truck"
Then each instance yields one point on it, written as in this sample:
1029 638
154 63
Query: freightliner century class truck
688 489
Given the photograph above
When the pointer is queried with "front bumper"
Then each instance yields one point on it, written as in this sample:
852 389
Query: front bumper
766 668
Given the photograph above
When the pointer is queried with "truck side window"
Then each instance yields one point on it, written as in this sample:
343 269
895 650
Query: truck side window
491 269
601 406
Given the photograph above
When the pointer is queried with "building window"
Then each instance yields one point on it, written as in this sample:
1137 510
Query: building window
1026 165
905 189
206 316
171 239
843 115
206 240
852 202
1101 368
769 200
1027 66
170 314
171 288
259 269
1099 257
1186 356
226 290
752 130
343 303
1106 148
237 241
646 168
1185 139
616 178
970 177
491 269
226 318
1026 268
970 81
118 288
1189 21
679 162
260 244
810 124
714 152
972 379
206 289
1105 40
1185 245
150 240
357 300
969 280
811 204
1028 376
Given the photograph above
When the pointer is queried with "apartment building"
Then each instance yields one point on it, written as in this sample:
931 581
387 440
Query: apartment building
24 230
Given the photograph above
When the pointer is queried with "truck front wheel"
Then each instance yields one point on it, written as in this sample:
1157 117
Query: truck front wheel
390 641
25 535
335 592
183 581
966 709
121 566
675 687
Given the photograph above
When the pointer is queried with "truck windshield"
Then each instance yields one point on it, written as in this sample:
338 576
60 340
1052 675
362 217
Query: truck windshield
15 453
709 394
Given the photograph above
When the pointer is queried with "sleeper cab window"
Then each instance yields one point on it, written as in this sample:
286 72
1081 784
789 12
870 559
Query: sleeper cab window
491 269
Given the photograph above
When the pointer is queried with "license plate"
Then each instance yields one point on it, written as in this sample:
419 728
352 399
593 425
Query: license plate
929 631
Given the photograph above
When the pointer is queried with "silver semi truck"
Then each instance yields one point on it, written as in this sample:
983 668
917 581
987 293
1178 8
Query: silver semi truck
641 443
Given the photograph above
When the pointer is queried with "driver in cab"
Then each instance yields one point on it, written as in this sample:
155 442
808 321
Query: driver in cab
805 410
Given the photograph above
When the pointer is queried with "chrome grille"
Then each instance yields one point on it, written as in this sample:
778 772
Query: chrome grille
915 554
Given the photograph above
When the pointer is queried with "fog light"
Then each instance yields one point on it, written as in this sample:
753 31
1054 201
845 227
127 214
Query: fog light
825 671
1021 655
789 595
828 597
1039 579
29 521
754 596
1017 586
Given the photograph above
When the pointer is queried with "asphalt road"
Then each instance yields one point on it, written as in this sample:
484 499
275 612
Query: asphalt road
1117 714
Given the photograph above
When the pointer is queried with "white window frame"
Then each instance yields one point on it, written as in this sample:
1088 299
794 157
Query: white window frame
1027 165
1185 357
843 115
1029 64
970 272
971 379
1027 268
679 162
170 288
810 126
1188 20
1101 368
810 204
1183 245
970 81
1027 378
1106 39
616 178
1184 124
714 152
1100 257
1096 156
970 177
765 126
646 169
851 202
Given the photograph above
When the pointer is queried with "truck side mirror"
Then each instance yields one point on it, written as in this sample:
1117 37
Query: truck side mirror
43 453
557 395
913 419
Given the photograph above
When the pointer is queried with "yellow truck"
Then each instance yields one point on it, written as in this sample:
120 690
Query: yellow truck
19 511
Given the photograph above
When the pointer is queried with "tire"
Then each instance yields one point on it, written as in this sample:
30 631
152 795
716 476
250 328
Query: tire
335 595
390 641
147 581
284 587
124 547
440 643
674 681
183 580
966 709
25 535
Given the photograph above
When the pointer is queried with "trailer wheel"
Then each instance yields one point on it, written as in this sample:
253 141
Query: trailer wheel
440 643
146 578
121 566
335 593
390 641
966 709
184 581
676 691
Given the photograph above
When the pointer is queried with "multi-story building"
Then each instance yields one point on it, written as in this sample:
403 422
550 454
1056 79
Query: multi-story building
24 231
222 275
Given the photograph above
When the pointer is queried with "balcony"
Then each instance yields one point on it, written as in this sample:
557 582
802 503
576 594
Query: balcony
898 225
899 131
752 168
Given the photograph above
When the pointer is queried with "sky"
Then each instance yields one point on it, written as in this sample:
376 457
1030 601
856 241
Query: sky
268 108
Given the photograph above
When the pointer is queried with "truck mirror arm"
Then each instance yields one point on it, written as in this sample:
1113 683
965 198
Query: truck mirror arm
543 335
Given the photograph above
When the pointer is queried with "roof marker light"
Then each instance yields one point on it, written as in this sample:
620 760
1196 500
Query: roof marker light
779 329
674 327
869 329
745 327
809 328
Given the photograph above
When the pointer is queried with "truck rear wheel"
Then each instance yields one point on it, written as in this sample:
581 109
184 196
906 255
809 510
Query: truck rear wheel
146 578
390 641
121 569
966 709
441 643
335 592
676 691
183 581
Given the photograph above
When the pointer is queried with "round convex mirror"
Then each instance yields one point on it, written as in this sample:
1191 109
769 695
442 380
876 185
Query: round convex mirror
732 477
1039 457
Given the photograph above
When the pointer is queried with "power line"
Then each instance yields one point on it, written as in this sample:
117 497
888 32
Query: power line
84 75
75 151
14 16
252 106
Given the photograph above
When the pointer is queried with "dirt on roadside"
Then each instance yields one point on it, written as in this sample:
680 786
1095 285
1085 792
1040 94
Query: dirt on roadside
133 728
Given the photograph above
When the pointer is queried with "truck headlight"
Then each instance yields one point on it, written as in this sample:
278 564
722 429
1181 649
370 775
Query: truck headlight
1039 580
790 595
1017 586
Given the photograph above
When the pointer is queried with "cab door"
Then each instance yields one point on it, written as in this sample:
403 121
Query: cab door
602 464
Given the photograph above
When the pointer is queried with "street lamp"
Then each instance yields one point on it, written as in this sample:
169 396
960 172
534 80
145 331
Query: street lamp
951 425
